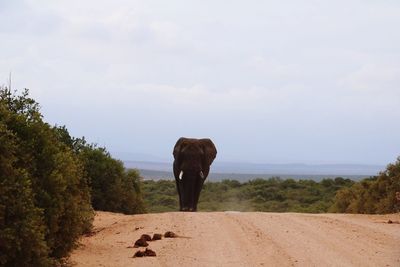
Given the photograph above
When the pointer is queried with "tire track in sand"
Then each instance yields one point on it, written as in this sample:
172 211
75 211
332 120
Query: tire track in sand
244 239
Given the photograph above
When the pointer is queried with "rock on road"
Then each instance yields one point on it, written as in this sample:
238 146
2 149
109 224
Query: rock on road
244 239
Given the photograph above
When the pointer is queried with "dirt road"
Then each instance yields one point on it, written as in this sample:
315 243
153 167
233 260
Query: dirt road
244 239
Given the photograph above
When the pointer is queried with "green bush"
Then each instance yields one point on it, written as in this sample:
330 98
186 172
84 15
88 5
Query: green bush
48 184
112 187
45 200
272 194
160 196
22 230
372 195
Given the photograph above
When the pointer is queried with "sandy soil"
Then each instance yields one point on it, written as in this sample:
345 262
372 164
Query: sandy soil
244 239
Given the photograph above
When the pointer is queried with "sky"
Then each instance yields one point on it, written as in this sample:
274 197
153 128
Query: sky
268 81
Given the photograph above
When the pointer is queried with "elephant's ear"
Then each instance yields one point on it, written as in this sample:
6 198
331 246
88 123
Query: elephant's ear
209 150
178 147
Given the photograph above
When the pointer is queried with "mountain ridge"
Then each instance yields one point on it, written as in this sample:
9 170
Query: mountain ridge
247 171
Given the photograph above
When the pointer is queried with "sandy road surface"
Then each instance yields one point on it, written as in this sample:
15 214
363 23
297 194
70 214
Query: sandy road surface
244 239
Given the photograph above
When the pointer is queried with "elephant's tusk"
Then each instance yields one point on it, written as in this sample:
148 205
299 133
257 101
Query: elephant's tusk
180 175
201 174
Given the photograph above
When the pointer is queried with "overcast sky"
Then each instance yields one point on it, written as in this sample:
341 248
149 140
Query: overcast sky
267 81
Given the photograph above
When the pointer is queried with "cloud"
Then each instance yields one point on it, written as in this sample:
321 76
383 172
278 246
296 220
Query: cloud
292 80
374 78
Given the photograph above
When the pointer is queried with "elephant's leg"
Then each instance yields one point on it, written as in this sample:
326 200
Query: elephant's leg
193 192
179 194
198 187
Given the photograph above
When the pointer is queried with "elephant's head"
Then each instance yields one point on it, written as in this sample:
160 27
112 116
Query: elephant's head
193 158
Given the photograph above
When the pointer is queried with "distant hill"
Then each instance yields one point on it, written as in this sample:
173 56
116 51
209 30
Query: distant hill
247 171
242 177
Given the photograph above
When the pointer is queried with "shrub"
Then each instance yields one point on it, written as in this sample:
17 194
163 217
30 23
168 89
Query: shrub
42 179
272 194
22 229
371 195
113 188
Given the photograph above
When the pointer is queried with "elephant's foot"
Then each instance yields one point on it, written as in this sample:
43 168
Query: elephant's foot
188 209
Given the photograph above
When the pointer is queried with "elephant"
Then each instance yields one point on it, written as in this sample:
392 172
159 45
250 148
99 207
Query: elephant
192 161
